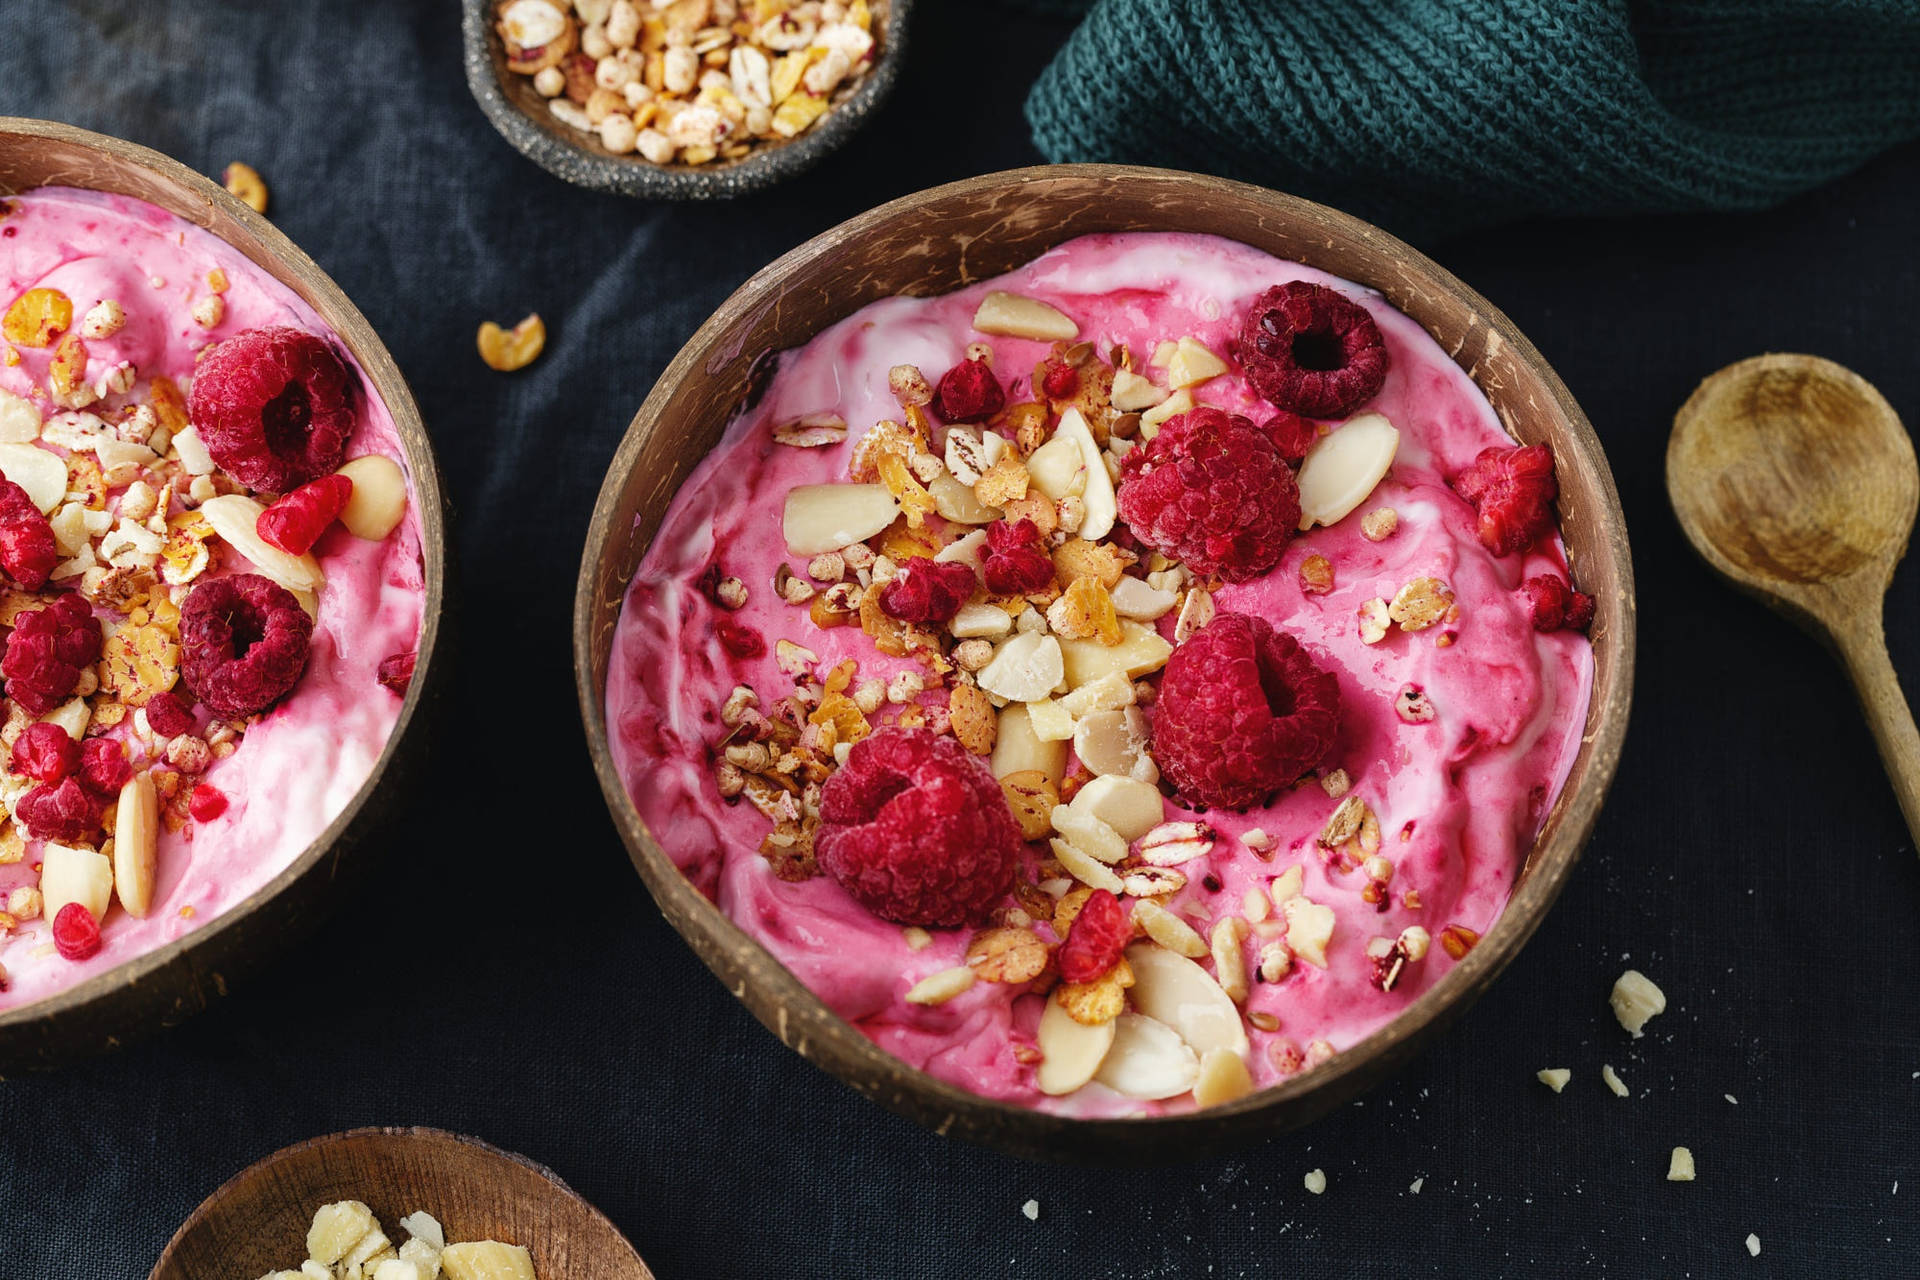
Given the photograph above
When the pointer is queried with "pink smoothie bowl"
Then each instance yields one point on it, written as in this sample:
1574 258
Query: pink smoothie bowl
182 971
947 238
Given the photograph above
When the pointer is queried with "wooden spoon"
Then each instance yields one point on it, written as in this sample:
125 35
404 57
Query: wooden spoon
1793 477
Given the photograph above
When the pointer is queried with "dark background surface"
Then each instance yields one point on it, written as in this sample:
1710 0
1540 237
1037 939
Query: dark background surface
505 975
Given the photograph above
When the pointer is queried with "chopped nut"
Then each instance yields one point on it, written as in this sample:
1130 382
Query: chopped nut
1276 961
828 566
1316 575
943 986
508 350
243 181
1336 783
730 593
1169 930
1420 603
789 586
1316 1181
1614 1082
1195 612
1229 958
1378 525
1635 1000
1555 1078
1412 704
1680 1165
1374 620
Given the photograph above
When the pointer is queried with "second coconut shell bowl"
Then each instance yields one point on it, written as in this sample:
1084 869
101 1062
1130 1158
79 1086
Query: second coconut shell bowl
938 240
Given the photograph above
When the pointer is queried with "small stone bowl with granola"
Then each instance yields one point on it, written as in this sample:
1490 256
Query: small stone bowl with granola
680 99
222 566
1112 691
397 1204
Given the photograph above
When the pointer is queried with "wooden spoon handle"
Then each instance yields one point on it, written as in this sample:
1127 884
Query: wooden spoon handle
1864 649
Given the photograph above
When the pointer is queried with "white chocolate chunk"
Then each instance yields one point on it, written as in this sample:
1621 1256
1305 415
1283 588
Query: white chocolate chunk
1132 393
1223 1078
1134 598
980 620
1309 929
1089 834
1177 403
826 517
1017 749
1057 468
1015 315
379 497
38 471
75 875
1192 363
1140 651
1344 467
1024 669
19 419
1051 721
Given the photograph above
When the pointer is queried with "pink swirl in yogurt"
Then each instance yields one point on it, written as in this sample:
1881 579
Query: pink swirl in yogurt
148 293
1442 807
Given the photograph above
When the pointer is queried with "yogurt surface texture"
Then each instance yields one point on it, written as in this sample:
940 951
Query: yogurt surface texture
148 294
1442 810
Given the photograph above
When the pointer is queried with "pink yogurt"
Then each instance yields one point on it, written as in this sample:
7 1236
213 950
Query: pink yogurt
298 767
1469 789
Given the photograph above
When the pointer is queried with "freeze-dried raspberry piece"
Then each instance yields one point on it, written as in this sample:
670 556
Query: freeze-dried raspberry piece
740 640
243 643
1060 381
1212 492
1242 711
27 549
1512 490
76 934
396 671
46 652
917 830
296 522
45 753
927 591
60 811
104 768
969 392
1096 939
207 802
167 716
274 406
1015 563
1292 435
1556 606
1312 350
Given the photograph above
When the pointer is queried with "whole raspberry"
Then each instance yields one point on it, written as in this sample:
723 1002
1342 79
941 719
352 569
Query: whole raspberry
1242 711
396 671
1312 350
104 768
274 406
207 802
1096 939
969 392
1292 435
61 811
27 550
243 643
1212 492
1556 606
45 753
167 716
1016 563
76 934
46 652
917 830
296 522
1512 490
927 591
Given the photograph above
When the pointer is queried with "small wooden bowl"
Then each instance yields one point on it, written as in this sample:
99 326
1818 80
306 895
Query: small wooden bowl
170 984
518 111
258 1221
937 241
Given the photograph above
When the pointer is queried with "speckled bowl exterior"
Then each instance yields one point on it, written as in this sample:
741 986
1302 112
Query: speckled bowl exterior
520 114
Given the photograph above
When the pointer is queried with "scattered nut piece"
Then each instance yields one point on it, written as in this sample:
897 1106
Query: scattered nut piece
1379 524
243 181
1635 1000
1555 1078
1374 621
1412 705
508 350
1680 1166
1315 1181
1613 1082
1316 575
938 988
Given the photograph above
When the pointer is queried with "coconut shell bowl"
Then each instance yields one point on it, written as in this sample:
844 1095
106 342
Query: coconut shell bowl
257 1223
942 239
170 984
501 80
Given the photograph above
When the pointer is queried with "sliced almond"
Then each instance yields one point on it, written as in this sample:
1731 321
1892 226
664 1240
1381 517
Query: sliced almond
1228 943
1192 363
1223 1077
75 875
1089 834
379 498
1102 509
1073 1050
1086 869
1169 930
1181 994
1344 467
1148 1060
41 473
236 519
938 988
136 843
1015 315
826 517
1140 652
1127 806
1016 749
1024 669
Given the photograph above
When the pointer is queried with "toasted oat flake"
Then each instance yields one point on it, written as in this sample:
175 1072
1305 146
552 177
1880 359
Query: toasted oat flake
813 431
1316 575
1420 603
1005 954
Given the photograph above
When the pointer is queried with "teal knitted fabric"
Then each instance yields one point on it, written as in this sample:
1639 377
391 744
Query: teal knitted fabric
1432 116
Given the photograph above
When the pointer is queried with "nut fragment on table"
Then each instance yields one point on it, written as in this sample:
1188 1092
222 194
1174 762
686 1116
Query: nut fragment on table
690 82
1635 1000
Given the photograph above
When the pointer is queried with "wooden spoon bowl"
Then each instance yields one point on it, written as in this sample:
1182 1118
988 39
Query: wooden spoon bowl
172 982
936 241
1794 479
258 1221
